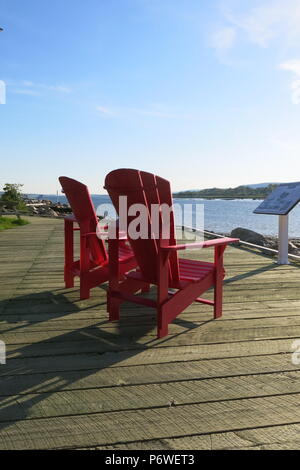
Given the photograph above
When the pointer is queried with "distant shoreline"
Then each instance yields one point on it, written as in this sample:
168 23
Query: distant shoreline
241 192
54 197
214 198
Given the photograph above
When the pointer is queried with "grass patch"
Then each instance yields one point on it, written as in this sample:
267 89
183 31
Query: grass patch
9 222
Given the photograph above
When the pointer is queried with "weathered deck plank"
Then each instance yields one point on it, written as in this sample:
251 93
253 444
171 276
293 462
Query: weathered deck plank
73 380
155 423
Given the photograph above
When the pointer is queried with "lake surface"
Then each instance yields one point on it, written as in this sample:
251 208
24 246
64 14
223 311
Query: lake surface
220 216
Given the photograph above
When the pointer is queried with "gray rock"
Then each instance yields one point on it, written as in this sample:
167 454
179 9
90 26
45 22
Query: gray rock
33 210
293 249
249 236
51 212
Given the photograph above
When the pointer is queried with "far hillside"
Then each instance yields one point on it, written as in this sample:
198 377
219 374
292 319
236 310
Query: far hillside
241 192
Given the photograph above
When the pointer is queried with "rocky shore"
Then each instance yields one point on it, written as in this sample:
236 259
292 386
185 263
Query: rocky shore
41 208
47 208
255 238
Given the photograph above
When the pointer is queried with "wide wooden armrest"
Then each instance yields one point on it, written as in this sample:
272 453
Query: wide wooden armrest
70 218
89 234
206 244
122 235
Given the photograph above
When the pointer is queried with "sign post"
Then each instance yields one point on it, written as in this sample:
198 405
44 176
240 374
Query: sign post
280 202
283 240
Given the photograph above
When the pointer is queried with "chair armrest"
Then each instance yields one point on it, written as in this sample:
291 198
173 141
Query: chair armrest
207 244
89 234
70 218
122 235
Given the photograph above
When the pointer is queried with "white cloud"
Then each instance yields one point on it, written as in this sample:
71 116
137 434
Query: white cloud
295 86
21 91
223 38
59 88
294 67
272 19
105 111
264 23
159 112
30 88
291 65
155 111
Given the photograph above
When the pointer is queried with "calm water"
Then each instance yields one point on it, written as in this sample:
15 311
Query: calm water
220 216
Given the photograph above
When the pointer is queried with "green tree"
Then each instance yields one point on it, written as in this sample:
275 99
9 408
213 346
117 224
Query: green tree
12 198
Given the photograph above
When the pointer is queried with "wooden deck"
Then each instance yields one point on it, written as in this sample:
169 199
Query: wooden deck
73 380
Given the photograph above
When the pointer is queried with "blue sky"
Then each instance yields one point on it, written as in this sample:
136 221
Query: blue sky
202 92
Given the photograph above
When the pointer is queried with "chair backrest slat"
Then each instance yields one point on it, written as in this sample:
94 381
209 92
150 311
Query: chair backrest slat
147 189
83 209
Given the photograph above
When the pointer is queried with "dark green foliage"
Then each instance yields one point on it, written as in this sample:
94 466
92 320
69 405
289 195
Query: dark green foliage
243 192
9 222
12 198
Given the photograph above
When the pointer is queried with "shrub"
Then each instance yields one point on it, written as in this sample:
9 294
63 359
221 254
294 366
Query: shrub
12 198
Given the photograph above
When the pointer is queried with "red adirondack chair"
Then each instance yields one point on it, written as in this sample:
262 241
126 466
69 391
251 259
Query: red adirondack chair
92 267
158 258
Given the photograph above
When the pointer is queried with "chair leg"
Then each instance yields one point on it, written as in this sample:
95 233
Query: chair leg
114 309
218 294
162 295
84 291
162 322
162 325
113 304
218 298
69 278
84 269
69 254
162 332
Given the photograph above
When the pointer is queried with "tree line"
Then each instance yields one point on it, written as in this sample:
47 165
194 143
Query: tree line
241 192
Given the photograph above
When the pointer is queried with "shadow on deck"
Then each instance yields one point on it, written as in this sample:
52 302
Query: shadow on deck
74 380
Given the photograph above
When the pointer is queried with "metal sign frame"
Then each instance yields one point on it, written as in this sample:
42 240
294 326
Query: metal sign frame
280 202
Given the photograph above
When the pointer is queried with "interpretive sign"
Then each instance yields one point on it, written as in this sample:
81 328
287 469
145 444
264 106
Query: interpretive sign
281 201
